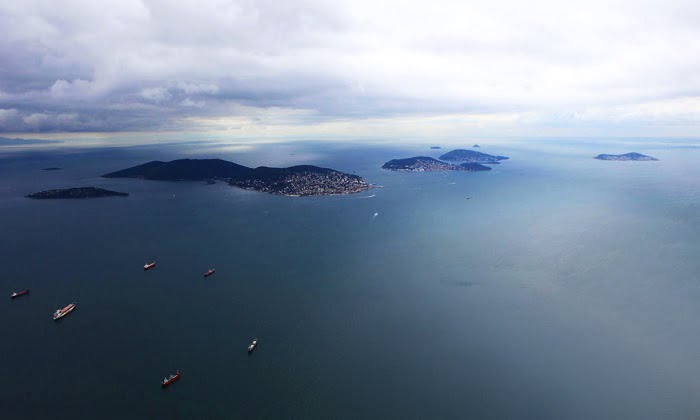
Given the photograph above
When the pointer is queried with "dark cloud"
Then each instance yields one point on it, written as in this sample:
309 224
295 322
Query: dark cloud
159 65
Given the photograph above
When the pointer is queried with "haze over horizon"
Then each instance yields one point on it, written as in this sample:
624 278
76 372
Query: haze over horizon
319 70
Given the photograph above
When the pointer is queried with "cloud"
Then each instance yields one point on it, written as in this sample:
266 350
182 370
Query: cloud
7 115
182 64
77 89
194 88
191 103
46 120
155 94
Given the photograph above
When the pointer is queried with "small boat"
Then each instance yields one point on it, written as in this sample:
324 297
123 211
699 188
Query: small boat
60 313
170 379
252 345
210 272
149 266
18 294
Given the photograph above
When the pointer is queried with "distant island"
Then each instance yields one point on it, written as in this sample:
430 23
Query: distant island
428 164
627 156
53 168
476 146
79 192
435 147
463 155
302 180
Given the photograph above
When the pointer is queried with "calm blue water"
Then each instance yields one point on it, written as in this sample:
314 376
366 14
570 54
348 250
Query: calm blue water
565 288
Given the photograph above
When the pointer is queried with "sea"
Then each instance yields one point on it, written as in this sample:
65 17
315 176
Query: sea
555 286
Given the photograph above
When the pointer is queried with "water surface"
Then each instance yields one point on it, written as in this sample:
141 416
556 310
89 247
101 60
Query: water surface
566 287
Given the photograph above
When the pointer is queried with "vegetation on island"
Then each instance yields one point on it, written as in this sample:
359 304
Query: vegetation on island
464 155
428 164
78 192
625 157
302 180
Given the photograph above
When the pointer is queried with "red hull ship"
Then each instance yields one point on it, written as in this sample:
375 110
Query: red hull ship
18 294
170 379
60 313
210 272
149 266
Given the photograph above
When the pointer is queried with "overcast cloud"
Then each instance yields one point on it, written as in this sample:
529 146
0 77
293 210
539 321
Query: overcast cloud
297 65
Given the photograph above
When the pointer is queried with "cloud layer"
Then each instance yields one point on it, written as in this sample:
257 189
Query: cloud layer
132 65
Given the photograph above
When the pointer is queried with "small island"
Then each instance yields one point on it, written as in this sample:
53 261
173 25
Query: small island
53 168
302 180
79 192
476 146
626 157
463 155
435 147
428 164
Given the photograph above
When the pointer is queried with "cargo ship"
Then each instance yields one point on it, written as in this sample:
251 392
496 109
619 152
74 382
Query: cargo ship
170 379
252 345
60 313
210 272
18 294
149 266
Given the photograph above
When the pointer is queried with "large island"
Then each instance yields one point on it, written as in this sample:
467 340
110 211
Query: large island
428 164
79 192
625 157
303 180
464 155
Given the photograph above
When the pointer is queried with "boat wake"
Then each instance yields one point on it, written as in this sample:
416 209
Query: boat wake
368 196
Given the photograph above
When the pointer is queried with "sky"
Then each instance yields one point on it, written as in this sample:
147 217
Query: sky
343 69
